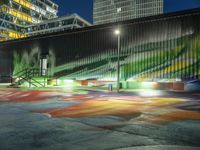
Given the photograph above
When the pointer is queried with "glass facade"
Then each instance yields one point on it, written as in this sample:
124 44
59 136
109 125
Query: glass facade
16 15
159 48
106 11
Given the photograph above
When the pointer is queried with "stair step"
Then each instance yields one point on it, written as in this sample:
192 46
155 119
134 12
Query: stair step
31 77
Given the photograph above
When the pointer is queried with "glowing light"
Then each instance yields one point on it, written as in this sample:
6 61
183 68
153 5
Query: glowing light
148 85
117 32
150 93
178 80
68 81
58 81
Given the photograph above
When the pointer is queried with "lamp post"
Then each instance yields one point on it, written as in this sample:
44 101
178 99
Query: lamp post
117 32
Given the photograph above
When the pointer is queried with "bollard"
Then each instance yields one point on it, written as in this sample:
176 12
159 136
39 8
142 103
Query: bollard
110 87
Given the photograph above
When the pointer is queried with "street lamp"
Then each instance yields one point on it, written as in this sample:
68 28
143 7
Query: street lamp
117 32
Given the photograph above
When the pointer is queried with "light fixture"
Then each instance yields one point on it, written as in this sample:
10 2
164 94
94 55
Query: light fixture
117 32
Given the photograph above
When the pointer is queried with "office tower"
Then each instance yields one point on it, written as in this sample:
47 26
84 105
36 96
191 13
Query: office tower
107 11
15 15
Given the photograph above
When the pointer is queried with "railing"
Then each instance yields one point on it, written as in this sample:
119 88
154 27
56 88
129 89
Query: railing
11 34
15 13
28 75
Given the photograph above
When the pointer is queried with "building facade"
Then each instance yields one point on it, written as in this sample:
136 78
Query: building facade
163 48
15 15
68 22
24 18
107 11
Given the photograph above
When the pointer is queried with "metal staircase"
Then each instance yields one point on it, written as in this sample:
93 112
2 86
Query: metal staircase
28 75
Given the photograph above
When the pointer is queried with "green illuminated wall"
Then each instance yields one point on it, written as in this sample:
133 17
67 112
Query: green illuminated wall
157 48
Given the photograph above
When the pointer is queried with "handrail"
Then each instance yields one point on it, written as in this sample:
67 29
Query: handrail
27 75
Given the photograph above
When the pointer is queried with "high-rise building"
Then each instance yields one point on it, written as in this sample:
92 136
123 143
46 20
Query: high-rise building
107 11
16 14
24 18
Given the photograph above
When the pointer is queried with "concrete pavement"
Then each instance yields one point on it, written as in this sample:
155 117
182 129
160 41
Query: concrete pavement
65 118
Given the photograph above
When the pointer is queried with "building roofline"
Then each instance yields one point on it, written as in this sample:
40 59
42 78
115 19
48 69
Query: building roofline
74 15
96 27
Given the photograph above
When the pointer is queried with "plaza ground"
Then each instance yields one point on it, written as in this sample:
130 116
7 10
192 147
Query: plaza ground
80 119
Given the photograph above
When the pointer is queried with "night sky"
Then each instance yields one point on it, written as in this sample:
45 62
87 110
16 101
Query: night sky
84 7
